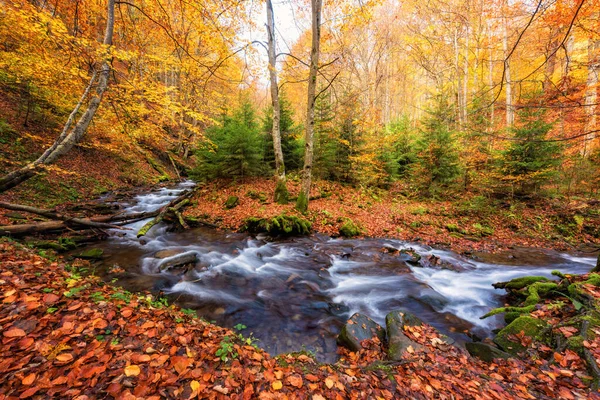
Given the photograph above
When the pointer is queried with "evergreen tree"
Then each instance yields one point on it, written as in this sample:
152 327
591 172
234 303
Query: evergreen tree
402 155
325 144
437 155
291 145
530 161
235 147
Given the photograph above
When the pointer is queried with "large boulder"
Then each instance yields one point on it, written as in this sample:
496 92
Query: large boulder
485 351
398 342
532 328
358 328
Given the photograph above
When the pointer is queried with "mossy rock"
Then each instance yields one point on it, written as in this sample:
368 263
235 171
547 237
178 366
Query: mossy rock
280 225
91 254
232 202
358 328
485 351
453 228
398 342
350 229
531 327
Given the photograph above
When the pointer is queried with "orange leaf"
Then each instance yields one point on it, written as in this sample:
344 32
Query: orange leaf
295 380
65 357
14 332
132 370
29 379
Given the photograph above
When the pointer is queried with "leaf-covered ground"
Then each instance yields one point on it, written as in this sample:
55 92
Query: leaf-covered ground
68 336
468 223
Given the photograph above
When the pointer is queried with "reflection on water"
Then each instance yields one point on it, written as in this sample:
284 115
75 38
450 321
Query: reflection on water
296 293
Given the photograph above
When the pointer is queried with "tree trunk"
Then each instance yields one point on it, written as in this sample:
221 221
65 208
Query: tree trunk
71 136
510 112
591 95
281 192
302 203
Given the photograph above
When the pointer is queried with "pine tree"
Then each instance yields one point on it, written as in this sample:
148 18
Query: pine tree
530 160
402 155
235 148
325 145
437 155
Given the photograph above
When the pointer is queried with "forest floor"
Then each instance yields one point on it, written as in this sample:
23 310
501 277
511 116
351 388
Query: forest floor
466 224
66 334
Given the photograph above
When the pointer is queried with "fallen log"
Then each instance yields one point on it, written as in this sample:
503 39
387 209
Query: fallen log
54 215
172 208
64 223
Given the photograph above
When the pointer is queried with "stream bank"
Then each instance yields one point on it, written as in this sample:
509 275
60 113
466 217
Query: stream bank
65 335
295 294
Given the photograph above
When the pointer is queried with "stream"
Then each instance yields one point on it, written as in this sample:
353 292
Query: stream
295 294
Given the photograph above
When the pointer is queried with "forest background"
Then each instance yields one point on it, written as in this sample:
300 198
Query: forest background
494 103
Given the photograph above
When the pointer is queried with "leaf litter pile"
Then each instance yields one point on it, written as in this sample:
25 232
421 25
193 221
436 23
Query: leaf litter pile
69 336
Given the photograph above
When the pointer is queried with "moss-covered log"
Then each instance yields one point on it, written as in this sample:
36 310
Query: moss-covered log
519 283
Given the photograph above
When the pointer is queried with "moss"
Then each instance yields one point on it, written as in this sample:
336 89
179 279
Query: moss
91 254
520 283
559 274
511 316
482 230
281 195
575 343
593 279
350 229
280 225
232 202
537 290
452 228
531 327
302 203
518 310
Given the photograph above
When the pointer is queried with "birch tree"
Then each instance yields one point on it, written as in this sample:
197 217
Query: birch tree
304 195
72 132
281 192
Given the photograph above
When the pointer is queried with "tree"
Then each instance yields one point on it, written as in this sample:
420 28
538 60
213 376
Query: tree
234 149
437 156
402 156
291 146
72 134
304 195
530 159
281 193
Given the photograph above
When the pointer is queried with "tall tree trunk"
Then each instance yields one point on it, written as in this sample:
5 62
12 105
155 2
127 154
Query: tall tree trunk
591 95
303 197
465 79
281 192
510 111
71 135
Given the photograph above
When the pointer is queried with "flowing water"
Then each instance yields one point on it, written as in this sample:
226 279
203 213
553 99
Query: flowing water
295 294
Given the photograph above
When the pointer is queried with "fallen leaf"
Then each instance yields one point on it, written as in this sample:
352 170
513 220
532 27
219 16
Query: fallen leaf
295 380
132 370
14 332
277 385
65 357
329 383
29 379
